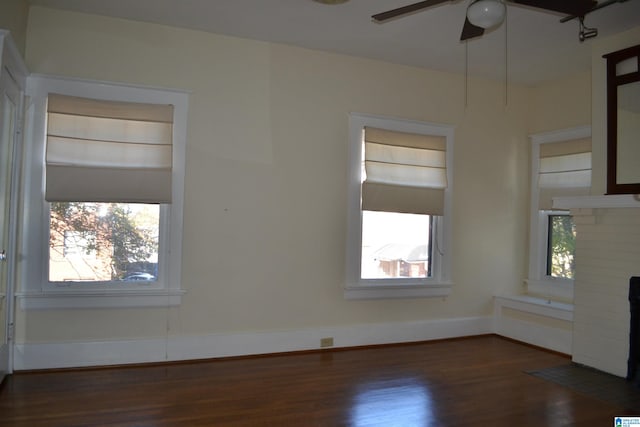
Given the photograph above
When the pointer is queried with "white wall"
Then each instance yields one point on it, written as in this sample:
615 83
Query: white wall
13 17
561 104
265 213
628 147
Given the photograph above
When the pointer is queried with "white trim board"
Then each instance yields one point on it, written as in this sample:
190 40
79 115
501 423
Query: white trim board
594 202
559 340
556 339
28 356
535 305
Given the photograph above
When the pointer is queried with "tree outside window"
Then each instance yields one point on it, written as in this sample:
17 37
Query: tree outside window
562 247
99 242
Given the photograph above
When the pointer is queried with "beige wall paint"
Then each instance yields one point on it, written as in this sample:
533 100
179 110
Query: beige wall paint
265 213
13 17
561 104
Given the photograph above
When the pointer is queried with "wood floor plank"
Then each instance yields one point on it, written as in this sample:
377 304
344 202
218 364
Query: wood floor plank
478 381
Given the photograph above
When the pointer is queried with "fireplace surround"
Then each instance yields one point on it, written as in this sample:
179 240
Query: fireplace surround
607 254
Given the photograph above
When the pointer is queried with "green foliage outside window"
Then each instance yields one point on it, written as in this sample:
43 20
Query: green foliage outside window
562 247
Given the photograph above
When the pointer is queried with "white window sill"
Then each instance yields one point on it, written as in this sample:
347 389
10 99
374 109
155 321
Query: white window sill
534 305
397 291
97 299
551 288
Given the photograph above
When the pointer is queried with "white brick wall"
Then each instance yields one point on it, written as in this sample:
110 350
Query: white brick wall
607 256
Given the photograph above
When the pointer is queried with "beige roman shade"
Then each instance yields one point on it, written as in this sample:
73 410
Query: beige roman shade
564 170
404 172
105 151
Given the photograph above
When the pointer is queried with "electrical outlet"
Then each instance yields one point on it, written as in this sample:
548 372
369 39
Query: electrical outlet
326 342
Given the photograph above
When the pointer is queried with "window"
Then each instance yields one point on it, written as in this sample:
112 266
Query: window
561 167
103 242
561 246
106 177
398 241
395 245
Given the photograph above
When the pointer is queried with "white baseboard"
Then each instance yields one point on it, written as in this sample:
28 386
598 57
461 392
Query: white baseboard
28 356
4 359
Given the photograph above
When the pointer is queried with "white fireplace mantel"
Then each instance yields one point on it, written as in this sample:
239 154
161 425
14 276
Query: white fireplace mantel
607 253
595 202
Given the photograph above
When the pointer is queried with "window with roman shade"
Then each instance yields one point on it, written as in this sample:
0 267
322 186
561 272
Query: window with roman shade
400 188
403 172
110 161
564 170
560 167
106 151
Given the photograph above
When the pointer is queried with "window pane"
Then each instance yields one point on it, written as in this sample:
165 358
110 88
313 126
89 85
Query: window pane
562 246
395 245
103 242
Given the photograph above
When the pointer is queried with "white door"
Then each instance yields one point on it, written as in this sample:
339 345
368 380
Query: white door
9 127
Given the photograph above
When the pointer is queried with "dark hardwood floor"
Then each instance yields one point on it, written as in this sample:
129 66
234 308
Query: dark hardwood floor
479 381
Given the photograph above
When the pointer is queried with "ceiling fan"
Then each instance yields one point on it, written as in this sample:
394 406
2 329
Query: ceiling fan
486 14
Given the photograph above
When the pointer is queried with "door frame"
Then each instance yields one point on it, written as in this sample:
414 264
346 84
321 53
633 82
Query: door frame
12 65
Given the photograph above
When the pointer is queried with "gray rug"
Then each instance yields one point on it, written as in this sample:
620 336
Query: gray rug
594 383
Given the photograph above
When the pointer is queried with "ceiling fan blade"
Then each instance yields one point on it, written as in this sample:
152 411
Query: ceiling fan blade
404 10
569 7
470 31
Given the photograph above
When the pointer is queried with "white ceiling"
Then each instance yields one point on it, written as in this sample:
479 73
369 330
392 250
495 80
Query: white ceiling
538 47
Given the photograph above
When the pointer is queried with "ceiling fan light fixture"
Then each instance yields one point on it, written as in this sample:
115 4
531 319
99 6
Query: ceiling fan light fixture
486 13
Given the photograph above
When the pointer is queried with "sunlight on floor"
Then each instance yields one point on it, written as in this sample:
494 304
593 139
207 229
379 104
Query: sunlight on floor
400 402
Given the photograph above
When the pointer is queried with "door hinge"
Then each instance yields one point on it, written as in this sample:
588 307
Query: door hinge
10 332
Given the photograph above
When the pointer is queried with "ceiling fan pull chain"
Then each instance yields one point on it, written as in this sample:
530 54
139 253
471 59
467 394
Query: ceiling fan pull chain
466 74
506 58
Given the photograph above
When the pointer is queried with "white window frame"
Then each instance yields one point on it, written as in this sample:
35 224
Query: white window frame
538 281
439 284
37 291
